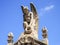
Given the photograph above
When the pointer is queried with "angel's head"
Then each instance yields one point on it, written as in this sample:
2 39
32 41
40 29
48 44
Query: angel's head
25 10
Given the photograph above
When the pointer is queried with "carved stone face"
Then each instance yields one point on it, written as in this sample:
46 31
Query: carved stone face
28 18
26 11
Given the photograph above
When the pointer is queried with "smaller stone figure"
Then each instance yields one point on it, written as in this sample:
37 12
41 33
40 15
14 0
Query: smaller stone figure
10 38
44 34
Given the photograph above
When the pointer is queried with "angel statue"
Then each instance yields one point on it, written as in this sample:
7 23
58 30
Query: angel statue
30 23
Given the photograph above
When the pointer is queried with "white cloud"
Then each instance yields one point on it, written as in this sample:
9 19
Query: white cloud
49 7
46 9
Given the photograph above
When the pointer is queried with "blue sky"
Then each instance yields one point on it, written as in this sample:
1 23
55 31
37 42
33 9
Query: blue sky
11 18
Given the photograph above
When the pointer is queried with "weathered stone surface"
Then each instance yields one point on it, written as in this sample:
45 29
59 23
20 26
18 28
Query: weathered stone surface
30 34
30 23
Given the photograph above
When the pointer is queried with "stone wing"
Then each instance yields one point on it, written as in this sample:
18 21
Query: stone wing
35 15
22 7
